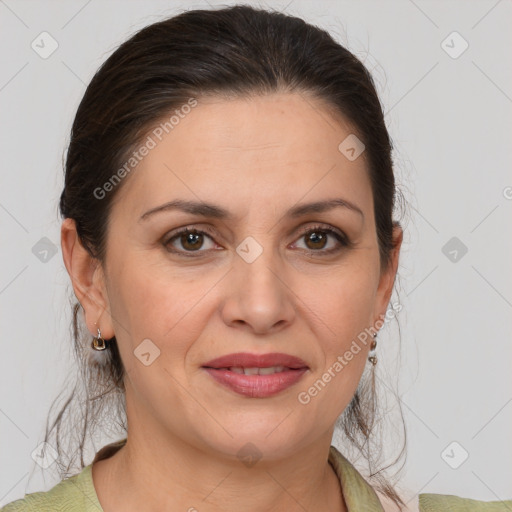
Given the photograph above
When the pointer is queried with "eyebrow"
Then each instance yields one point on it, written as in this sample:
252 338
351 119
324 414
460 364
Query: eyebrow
213 211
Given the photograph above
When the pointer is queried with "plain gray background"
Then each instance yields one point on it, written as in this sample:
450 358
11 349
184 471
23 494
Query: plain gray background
449 117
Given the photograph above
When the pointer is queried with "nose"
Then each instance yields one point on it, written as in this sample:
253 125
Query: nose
257 297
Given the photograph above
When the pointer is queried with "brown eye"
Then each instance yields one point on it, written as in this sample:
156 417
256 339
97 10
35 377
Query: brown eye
316 240
188 241
322 240
191 241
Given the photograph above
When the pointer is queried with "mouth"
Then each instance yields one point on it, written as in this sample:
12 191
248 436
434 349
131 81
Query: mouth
269 370
256 375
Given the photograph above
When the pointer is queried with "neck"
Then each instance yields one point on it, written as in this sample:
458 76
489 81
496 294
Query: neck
170 474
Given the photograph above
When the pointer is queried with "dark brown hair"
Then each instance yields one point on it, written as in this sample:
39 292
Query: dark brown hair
237 51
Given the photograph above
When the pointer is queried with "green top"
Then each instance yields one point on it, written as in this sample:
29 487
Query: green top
77 493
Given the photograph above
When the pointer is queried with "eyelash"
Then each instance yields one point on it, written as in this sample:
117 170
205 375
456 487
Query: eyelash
343 240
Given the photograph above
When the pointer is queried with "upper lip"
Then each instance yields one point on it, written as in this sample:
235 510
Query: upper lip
247 360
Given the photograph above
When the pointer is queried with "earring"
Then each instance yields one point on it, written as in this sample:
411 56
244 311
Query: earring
98 354
373 346
98 343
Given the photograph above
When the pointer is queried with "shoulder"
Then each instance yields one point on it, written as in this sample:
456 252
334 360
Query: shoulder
74 494
443 503
449 503
358 491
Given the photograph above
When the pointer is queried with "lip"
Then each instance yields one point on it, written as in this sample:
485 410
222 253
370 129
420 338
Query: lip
247 360
256 386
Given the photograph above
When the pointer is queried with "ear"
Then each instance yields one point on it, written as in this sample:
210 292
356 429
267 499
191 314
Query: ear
88 281
387 278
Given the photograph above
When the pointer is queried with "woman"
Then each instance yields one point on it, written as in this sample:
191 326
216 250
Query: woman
229 236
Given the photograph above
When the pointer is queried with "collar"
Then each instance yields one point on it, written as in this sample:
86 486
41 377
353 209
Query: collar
357 492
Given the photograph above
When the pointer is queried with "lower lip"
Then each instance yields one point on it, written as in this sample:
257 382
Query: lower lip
257 386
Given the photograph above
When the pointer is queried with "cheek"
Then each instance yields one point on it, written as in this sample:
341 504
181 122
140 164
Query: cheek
343 298
344 301
165 311
150 302
346 310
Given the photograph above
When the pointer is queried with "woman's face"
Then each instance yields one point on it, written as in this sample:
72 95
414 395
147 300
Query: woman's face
251 281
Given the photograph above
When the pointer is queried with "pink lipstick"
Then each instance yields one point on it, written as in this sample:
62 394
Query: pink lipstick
257 375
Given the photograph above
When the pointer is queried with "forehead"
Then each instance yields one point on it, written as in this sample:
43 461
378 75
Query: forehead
276 148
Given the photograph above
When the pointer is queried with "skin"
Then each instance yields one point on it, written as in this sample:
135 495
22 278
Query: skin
256 158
